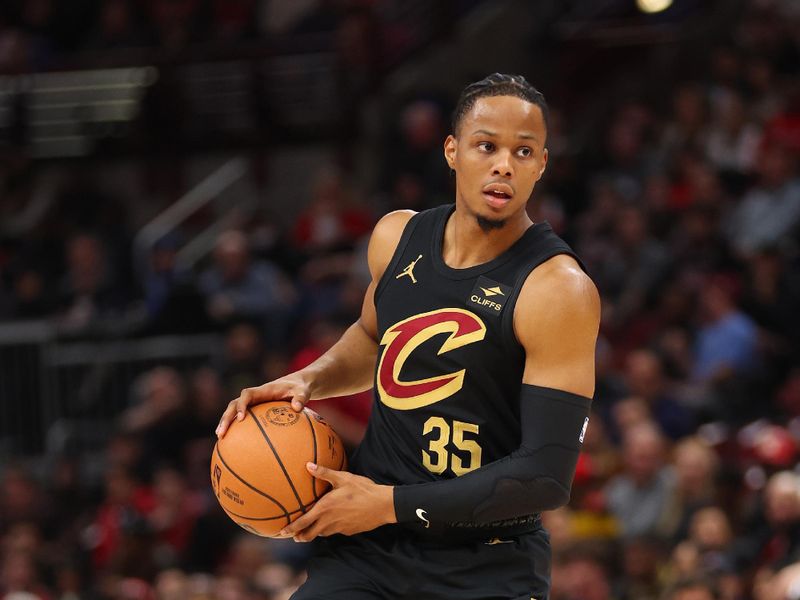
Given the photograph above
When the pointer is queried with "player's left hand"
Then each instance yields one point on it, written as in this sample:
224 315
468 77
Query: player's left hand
355 504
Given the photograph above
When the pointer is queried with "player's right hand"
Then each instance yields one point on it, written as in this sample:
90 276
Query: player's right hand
292 387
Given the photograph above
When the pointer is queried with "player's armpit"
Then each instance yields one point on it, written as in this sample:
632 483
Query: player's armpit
535 477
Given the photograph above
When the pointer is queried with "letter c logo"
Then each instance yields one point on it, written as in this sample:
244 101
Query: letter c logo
402 338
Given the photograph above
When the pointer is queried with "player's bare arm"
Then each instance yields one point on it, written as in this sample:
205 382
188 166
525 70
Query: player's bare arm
556 320
346 368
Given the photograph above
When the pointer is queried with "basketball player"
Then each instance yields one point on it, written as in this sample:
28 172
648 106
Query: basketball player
478 334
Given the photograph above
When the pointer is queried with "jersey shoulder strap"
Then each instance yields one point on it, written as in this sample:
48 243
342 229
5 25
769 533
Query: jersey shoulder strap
423 224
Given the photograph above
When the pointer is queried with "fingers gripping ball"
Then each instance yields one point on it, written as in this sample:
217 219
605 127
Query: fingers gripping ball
258 470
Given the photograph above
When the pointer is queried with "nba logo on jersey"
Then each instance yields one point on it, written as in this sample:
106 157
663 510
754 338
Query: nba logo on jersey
488 296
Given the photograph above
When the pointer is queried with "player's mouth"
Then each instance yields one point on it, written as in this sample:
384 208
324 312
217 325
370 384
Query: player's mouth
497 195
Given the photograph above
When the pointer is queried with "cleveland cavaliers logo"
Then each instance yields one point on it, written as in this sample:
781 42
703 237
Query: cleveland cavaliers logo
402 338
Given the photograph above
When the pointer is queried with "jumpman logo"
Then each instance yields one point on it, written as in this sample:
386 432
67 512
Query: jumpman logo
409 270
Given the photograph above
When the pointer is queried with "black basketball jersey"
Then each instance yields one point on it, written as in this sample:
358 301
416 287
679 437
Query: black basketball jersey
449 368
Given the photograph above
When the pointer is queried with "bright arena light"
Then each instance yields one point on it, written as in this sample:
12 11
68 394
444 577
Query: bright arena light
653 6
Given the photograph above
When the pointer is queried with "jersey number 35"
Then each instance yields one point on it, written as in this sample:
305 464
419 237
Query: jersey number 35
437 457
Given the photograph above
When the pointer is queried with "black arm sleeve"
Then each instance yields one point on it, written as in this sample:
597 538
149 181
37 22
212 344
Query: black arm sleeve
535 477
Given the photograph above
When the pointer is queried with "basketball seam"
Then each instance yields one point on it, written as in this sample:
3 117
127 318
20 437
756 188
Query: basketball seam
286 513
278 458
314 439
341 462
230 512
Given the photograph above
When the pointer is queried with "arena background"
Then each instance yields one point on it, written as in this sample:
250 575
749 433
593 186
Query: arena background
186 187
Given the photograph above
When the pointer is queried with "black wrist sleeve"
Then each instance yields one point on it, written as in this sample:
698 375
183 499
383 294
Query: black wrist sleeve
535 477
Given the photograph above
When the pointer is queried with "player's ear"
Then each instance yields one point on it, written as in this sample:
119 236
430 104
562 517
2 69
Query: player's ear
450 151
545 154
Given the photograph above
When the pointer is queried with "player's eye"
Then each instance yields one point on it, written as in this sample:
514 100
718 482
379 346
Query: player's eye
525 152
486 146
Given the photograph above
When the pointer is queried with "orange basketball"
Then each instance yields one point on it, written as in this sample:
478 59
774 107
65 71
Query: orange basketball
258 470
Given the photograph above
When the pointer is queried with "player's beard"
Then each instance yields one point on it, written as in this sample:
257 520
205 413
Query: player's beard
486 224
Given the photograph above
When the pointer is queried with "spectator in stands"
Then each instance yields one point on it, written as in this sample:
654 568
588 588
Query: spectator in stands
237 287
119 536
644 377
782 584
328 234
627 414
156 414
31 297
710 531
697 243
774 540
641 556
243 359
633 268
89 295
172 584
71 500
725 72
275 579
21 498
639 496
171 297
332 221
247 554
696 467
726 356
20 577
581 574
206 397
417 149
763 94
687 127
732 142
173 516
684 563
770 211
771 296
624 154
595 226
727 340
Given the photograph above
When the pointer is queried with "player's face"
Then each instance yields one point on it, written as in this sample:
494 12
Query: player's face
498 157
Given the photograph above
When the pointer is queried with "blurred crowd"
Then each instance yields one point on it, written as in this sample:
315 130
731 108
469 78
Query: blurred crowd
53 34
44 31
686 211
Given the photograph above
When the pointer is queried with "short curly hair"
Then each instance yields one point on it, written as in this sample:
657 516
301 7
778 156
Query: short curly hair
497 84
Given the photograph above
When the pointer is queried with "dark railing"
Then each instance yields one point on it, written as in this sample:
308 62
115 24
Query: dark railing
51 389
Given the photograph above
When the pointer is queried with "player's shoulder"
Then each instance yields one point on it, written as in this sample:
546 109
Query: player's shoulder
391 225
385 238
558 306
560 285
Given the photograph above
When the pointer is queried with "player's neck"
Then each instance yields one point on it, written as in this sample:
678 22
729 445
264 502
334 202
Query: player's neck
466 244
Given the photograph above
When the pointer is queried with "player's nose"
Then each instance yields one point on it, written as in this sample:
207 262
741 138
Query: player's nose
502 165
